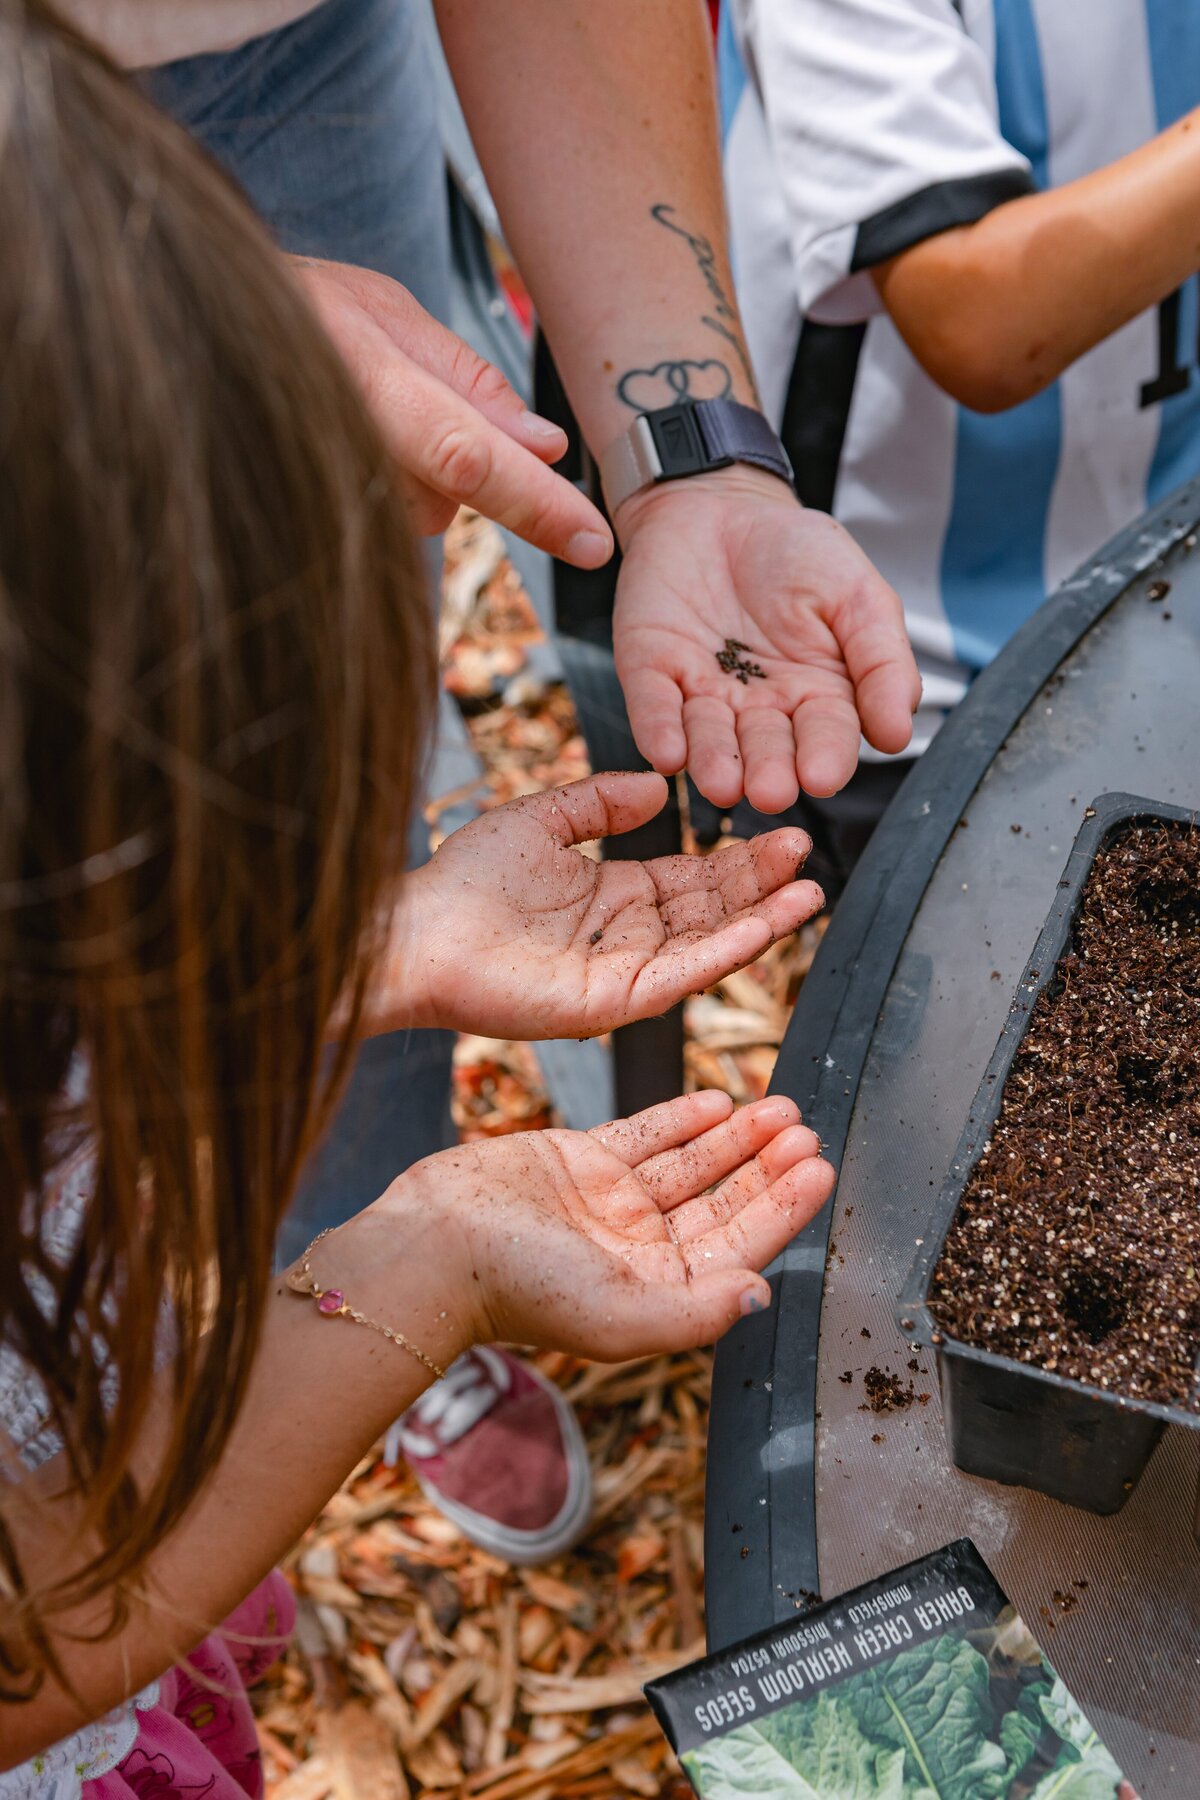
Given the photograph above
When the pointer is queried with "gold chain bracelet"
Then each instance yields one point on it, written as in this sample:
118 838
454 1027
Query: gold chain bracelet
332 1304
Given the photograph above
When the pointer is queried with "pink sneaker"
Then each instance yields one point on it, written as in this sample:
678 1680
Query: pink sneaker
499 1452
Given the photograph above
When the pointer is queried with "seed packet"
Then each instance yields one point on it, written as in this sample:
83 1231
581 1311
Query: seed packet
924 1685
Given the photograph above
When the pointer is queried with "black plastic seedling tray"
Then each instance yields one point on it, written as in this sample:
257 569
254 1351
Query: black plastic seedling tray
1012 1421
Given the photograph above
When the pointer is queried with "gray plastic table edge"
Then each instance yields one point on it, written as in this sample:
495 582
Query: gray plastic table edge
761 1557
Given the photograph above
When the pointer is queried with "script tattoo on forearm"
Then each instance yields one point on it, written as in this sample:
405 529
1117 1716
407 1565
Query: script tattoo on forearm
686 378
724 317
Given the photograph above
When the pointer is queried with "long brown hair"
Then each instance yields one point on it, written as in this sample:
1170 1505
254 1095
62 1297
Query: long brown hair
216 669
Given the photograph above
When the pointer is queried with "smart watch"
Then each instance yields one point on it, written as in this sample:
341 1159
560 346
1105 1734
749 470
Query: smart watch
689 439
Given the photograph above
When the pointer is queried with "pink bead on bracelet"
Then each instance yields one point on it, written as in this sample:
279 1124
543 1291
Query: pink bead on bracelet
333 1304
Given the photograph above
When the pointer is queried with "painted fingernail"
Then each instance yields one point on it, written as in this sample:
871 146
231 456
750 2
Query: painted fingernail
589 548
544 430
754 1300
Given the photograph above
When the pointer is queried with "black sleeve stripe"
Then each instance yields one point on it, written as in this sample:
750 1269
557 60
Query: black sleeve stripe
938 208
817 408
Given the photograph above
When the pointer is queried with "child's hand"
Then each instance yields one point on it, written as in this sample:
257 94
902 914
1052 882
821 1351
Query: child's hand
608 1243
511 931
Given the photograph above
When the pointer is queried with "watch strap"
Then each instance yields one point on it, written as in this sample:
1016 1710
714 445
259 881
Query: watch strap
689 439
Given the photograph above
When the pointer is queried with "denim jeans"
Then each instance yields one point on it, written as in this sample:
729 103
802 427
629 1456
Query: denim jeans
329 127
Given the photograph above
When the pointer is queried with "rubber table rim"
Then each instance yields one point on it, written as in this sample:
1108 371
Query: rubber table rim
761 1556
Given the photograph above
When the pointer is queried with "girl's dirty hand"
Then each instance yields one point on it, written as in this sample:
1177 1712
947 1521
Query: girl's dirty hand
511 931
616 1242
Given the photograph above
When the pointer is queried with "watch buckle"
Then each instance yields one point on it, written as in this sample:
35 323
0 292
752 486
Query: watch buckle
681 449
671 442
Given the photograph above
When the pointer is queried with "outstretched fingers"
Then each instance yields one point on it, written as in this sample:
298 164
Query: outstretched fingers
790 908
714 760
654 702
680 1173
880 662
768 755
707 1212
775 860
758 1230
828 735
737 874
699 896
659 1128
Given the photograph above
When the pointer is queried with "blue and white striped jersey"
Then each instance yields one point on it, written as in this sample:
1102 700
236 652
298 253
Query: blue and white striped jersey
854 129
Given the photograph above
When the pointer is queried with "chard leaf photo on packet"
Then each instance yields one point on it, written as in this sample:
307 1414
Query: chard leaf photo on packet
924 1685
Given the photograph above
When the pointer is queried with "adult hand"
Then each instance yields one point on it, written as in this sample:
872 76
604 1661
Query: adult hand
511 931
609 1243
733 555
460 434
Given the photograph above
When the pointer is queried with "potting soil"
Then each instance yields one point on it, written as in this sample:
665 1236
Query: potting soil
1077 1242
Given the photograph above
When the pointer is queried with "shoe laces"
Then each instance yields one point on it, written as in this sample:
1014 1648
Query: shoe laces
467 1392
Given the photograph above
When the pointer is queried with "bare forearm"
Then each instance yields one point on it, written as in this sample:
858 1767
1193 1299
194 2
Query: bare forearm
595 121
997 310
320 1395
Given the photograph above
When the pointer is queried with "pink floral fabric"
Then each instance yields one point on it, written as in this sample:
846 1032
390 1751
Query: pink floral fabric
199 1742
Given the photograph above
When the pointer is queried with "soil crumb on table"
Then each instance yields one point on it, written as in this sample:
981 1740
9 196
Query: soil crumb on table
1077 1242
886 1392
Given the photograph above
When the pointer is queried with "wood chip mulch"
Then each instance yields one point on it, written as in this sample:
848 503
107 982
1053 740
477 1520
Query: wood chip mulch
421 1665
